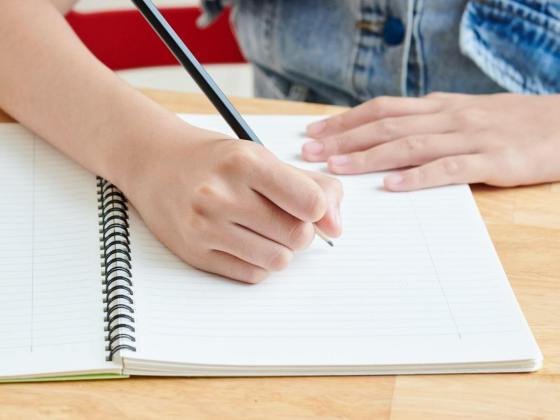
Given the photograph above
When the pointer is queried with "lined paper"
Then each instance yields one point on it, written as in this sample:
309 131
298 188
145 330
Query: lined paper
414 279
51 313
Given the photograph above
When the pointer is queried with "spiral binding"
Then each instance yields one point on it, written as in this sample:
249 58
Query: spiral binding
116 269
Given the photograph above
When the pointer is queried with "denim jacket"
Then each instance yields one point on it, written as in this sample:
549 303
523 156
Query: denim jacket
345 52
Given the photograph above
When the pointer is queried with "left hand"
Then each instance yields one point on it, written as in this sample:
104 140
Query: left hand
500 139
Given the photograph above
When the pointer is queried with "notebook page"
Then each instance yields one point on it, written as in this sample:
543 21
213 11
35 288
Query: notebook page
51 313
414 279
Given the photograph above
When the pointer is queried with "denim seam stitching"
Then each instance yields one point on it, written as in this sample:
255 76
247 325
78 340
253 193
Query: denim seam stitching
492 8
268 30
360 71
494 67
420 53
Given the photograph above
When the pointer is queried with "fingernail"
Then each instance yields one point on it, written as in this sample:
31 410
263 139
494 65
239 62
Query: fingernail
394 179
313 147
339 160
316 128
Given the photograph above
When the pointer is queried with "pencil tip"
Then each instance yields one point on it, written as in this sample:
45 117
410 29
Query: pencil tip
323 237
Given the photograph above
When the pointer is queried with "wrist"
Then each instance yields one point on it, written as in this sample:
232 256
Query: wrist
142 151
145 152
133 131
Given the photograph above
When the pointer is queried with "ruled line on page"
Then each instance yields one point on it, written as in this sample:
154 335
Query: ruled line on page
49 264
403 258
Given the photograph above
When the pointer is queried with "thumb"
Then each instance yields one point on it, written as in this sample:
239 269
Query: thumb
331 222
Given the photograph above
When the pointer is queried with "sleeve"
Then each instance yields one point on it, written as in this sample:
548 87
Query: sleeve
515 42
211 10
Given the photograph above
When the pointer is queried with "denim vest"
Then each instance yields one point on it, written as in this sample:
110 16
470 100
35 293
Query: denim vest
345 52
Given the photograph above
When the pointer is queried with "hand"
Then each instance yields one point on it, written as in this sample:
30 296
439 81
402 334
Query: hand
501 139
229 206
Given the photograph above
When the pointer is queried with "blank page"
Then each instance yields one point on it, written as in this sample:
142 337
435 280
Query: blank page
413 280
51 313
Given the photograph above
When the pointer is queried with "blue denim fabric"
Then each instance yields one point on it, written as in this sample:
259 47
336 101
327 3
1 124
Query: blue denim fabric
345 52
515 42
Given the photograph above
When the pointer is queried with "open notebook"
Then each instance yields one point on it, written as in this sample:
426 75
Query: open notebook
413 286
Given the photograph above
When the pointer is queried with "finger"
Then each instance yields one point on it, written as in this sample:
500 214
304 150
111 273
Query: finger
408 151
331 223
232 267
275 224
373 110
288 188
448 170
374 134
252 248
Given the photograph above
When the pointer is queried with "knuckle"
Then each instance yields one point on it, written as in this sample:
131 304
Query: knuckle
199 209
381 101
329 184
240 160
379 106
417 176
387 128
279 259
470 118
337 123
196 221
316 204
204 196
452 166
337 143
207 197
413 145
205 192
301 235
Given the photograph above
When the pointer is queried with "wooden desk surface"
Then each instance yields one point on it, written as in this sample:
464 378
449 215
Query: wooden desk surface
525 226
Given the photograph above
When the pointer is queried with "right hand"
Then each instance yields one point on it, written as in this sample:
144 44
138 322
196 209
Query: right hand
231 207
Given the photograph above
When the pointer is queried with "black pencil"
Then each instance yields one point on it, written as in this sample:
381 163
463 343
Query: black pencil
200 76
196 70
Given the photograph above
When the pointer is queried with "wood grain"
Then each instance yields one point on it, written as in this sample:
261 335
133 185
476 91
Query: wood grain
525 226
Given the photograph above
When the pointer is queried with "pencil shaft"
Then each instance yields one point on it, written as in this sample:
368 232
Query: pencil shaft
196 70
199 75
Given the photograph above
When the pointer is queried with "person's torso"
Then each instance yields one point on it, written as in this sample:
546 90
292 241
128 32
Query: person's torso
347 52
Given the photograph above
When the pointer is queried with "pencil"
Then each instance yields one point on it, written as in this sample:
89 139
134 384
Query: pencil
196 70
200 76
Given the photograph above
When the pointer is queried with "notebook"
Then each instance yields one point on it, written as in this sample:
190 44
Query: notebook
414 285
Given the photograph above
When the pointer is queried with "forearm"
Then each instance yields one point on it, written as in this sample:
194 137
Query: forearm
52 84
227 207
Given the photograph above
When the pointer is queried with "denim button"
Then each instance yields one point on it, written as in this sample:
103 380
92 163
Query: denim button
393 31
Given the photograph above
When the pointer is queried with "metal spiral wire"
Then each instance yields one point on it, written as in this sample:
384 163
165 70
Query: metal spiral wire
116 263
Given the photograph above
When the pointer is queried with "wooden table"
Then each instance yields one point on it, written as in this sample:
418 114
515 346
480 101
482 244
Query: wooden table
525 226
